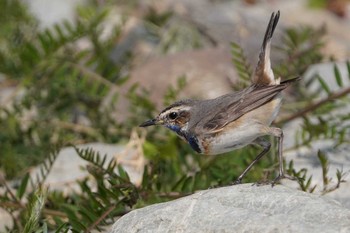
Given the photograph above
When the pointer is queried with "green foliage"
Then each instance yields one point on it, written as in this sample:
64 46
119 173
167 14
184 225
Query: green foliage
328 120
19 140
44 171
63 89
242 66
305 181
301 47
36 204
16 28
157 19
171 33
317 3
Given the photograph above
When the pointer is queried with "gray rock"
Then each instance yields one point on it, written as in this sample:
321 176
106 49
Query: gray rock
241 208
5 220
51 12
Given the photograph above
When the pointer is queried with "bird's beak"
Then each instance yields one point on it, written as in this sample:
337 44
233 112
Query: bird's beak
150 122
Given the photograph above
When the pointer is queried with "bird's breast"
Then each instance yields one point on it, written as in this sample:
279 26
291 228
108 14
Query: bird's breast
242 131
232 138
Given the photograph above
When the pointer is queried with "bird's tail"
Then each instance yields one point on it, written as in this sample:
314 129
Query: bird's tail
263 73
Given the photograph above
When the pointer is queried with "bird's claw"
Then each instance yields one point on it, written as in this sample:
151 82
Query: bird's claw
238 181
275 181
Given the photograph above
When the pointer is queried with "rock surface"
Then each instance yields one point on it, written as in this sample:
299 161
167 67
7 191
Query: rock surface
5 220
241 208
50 12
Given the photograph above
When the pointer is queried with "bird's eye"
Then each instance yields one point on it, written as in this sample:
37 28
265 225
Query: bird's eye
173 115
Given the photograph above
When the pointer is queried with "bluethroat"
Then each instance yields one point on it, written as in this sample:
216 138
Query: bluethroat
233 120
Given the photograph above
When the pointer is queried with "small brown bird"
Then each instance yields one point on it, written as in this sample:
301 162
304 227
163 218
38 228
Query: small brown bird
234 120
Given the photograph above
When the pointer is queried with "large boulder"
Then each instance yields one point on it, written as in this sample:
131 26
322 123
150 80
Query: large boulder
240 208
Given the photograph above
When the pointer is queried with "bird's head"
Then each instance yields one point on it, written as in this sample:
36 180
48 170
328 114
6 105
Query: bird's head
174 117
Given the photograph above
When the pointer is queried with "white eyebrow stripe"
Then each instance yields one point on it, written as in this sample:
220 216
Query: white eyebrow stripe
176 109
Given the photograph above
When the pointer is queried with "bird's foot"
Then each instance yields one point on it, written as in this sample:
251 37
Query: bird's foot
275 181
282 176
238 181
262 183
214 186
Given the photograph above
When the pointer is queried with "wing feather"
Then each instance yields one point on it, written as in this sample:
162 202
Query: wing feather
223 110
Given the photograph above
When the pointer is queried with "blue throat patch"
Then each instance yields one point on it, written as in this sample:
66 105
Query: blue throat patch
194 143
192 140
175 128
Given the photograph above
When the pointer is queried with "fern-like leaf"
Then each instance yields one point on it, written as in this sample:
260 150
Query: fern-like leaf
324 85
35 206
94 158
241 63
348 68
337 76
45 169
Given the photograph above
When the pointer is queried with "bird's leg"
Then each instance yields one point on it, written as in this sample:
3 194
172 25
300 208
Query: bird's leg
266 147
281 175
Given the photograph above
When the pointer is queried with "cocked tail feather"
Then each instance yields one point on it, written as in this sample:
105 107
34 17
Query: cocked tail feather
263 73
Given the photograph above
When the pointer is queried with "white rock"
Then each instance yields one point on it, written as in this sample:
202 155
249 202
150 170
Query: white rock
241 208
53 11
5 220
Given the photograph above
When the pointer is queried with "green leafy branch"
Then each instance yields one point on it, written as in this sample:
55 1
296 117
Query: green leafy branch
305 181
242 66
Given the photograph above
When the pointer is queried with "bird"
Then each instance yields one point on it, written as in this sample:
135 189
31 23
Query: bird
234 120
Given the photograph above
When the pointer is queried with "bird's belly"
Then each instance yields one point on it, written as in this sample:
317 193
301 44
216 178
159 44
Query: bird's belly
242 131
233 139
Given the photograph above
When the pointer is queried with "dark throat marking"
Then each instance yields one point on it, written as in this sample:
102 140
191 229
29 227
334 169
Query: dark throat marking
192 140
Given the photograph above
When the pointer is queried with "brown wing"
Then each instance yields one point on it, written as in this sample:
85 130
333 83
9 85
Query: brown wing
251 98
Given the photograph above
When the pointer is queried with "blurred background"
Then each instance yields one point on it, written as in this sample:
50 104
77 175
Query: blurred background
78 77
